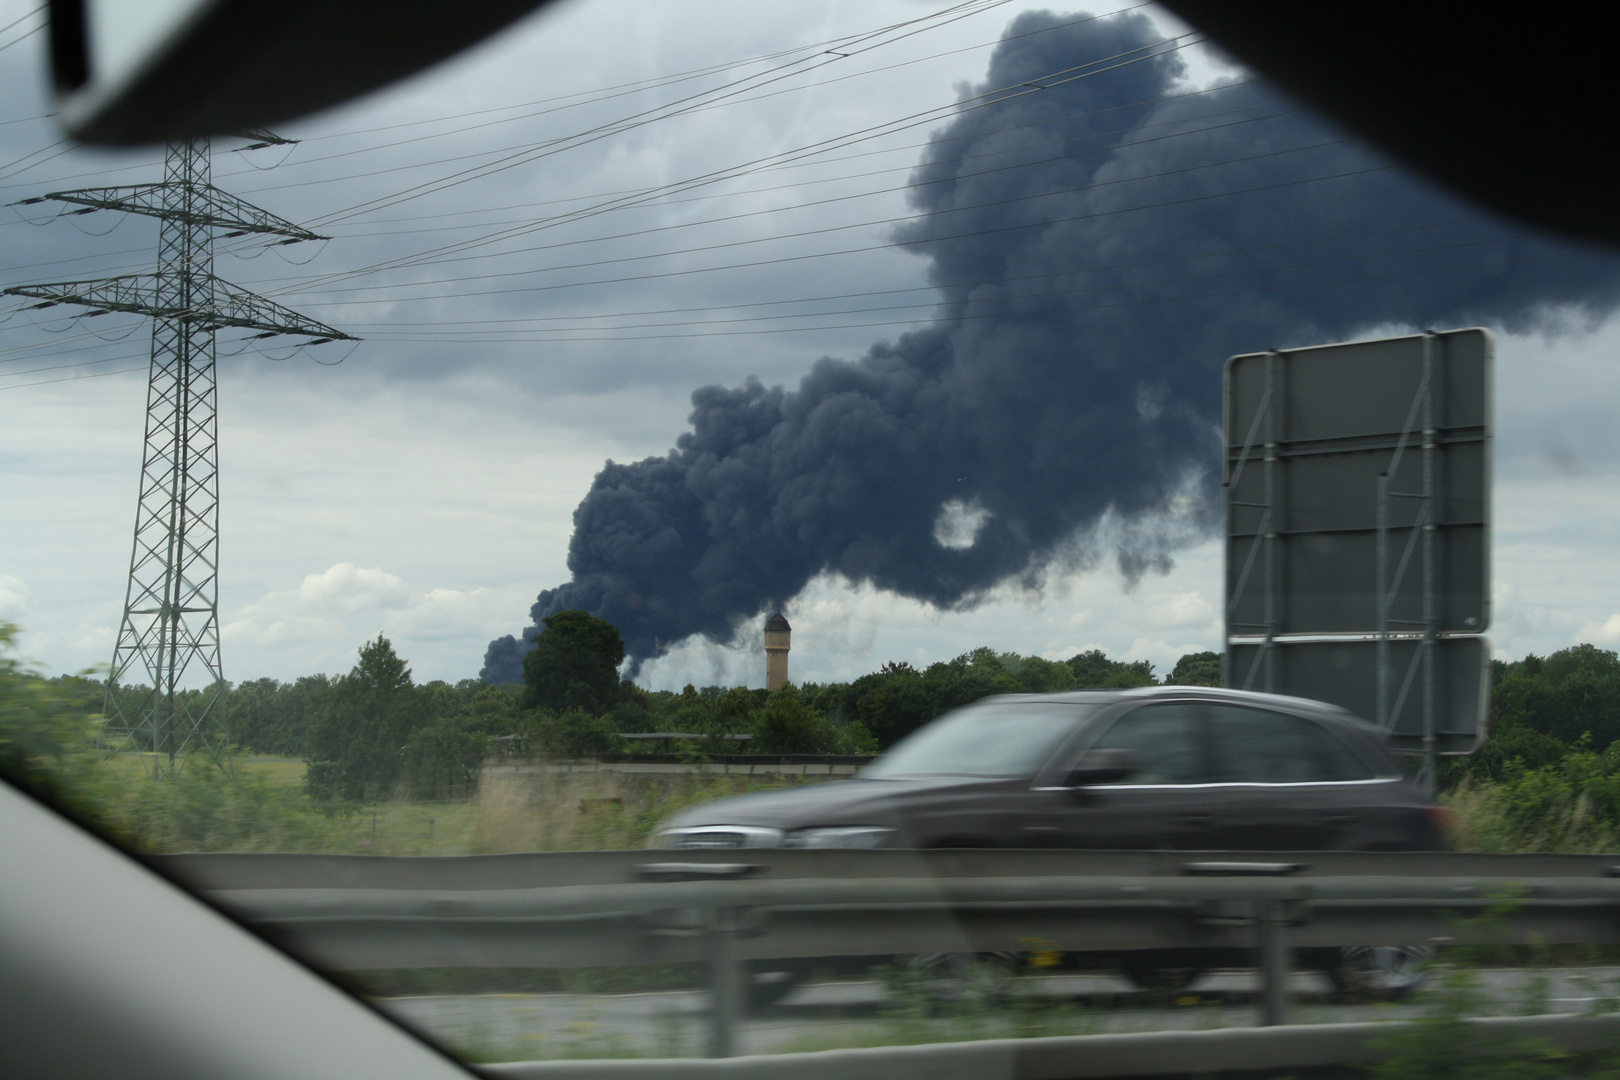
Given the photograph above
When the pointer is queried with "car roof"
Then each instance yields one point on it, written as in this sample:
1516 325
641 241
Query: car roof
1210 693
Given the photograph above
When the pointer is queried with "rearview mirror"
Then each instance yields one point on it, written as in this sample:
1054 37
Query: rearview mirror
141 71
1101 767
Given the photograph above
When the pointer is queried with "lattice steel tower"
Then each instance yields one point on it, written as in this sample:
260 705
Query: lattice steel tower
170 624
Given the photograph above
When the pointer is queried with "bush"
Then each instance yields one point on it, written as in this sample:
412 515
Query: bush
572 733
1572 804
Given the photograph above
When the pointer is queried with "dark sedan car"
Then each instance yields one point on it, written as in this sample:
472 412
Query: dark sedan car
1182 768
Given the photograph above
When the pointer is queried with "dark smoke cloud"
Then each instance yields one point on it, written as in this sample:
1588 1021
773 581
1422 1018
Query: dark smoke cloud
1077 374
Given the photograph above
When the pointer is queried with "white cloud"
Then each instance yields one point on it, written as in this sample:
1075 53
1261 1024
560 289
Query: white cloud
318 625
13 598
1181 610
347 588
842 631
1605 633
958 524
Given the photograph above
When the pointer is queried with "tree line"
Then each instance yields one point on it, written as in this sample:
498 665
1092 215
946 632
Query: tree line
1547 778
375 733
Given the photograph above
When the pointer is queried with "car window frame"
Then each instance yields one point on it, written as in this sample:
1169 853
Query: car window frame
1378 777
1050 776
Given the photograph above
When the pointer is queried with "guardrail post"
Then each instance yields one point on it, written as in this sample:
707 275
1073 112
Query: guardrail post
1271 919
726 979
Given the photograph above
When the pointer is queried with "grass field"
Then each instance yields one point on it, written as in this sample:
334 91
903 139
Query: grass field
260 805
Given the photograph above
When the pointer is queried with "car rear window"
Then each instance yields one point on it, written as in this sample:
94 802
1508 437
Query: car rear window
1259 746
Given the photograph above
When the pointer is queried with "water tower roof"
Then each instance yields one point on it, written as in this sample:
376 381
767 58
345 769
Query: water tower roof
777 622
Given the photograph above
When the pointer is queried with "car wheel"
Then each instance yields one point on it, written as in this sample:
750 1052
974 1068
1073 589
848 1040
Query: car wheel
1150 971
1381 972
964 977
768 987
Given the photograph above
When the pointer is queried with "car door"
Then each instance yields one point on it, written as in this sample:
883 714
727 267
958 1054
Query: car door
1161 805
1292 785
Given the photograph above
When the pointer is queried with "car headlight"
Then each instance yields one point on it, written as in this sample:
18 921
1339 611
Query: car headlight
717 836
843 836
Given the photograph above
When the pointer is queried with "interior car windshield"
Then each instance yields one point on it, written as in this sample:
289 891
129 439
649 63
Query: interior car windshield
669 413
999 739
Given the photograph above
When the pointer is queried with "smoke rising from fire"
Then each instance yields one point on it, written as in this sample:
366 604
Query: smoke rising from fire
1099 247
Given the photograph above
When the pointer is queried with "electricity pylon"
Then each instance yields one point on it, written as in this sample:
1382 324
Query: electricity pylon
170 622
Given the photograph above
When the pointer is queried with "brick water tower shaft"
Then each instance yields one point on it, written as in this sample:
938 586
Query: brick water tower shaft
777 635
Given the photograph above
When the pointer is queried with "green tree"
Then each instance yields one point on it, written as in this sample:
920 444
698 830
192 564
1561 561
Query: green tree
572 733
270 717
892 703
788 725
1573 692
1196 669
1037 675
355 740
574 664
46 732
441 759
1094 671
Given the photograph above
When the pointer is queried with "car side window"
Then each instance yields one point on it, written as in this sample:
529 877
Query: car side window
1343 763
1259 746
1167 739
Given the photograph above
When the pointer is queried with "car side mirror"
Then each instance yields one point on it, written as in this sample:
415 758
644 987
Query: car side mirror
1101 767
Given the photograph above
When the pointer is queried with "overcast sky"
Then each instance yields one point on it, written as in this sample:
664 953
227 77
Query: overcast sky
423 483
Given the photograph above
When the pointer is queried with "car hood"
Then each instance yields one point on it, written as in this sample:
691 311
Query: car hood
839 802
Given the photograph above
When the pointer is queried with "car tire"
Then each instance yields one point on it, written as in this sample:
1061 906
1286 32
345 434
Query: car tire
1380 972
957 978
1158 972
766 988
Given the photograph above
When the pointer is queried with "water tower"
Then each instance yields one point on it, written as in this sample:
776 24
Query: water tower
777 642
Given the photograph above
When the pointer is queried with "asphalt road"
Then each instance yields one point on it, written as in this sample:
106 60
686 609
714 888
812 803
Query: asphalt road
821 1016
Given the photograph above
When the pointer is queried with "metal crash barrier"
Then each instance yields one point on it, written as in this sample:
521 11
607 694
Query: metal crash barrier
727 909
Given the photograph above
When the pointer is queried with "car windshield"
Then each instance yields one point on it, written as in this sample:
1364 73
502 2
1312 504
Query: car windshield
996 739
412 509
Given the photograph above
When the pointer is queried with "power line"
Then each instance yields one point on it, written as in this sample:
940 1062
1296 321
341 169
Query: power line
636 120
18 21
978 101
754 264
644 85
75 378
419 257
842 177
878 221
1178 121
935 300
976 5
1003 297
824 160
1003 280
33 153
683 76
1067 309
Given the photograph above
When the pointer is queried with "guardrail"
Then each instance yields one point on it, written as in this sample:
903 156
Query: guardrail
728 908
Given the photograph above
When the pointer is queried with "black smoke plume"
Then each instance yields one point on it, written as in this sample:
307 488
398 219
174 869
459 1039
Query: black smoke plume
1100 247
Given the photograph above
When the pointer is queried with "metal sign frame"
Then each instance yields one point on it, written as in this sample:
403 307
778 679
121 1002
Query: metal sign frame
1357 483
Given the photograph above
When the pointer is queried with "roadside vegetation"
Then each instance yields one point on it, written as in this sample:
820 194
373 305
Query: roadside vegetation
373 761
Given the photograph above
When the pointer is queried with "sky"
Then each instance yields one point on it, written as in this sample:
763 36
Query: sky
549 243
